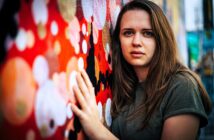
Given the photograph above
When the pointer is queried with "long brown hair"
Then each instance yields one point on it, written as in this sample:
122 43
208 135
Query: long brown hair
163 65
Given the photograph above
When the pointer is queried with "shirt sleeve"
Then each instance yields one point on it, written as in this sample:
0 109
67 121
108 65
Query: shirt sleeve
184 98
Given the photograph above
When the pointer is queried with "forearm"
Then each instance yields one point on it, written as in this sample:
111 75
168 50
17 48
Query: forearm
103 134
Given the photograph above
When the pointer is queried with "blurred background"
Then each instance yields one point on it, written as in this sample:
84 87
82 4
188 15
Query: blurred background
192 21
44 42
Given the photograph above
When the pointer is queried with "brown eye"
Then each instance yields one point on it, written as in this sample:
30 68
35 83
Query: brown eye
128 33
148 34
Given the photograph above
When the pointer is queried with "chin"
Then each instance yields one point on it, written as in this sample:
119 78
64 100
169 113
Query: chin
139 64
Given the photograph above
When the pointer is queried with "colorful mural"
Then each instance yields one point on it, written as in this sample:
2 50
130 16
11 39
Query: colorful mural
45 43
53 40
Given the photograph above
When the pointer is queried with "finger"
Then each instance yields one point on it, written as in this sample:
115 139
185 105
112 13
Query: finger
88 82
82 86
92 92
76 111
79 97
86 78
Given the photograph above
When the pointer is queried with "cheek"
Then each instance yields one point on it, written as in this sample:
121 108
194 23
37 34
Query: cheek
124 47
151 49
123 50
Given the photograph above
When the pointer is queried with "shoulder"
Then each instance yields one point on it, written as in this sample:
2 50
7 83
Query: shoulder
183 86
183 97
184 79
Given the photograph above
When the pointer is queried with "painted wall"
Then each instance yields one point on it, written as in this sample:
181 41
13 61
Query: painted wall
52 40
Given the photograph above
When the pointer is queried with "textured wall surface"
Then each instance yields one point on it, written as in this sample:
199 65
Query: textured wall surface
47 43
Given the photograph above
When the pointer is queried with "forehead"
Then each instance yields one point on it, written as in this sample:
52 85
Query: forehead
135 18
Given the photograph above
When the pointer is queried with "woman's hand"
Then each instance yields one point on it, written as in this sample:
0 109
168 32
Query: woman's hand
87 112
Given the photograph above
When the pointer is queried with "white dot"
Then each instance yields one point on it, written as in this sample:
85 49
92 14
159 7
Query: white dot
100 13
30 38
40 69
48 105
107 48
87 8
69 112
115 15
21 40
40 11
83 29
45 105
77 48
54 28
72 80
100 110
107 112
66 133
84 46
74 35
80 63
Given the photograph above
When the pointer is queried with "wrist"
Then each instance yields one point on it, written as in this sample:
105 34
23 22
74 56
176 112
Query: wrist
104 134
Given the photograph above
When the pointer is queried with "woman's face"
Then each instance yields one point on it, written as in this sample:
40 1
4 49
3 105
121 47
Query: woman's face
137 38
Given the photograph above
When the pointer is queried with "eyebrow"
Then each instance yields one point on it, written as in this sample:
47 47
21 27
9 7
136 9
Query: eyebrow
144 29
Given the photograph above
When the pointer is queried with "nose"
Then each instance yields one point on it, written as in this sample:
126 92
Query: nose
136 40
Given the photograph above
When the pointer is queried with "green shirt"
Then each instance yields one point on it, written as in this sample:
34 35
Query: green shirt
182 97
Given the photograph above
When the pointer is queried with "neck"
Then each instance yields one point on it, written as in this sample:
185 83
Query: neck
141 73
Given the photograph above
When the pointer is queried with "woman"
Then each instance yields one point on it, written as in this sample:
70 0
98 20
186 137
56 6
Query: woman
154 95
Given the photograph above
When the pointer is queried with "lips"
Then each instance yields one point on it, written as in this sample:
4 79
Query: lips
137 53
